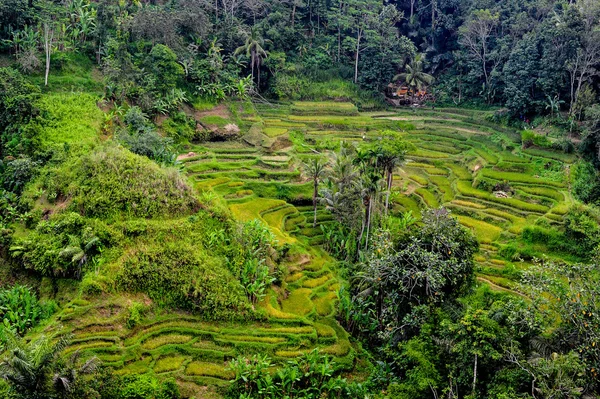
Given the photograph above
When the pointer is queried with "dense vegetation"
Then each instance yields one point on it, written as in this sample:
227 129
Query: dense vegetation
217 199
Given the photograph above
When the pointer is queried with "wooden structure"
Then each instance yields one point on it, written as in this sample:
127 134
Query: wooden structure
399 95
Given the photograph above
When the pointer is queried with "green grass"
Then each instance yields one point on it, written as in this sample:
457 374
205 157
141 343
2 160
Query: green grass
169 363
214 120
518 178
485 232
428 197
71 118
275 131
466 189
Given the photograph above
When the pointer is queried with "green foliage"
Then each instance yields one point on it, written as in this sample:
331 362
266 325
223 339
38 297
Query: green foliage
148 387
141 138
257 245
136 313
176 274
314 375
586 182
61 246
20 310
112 181
17 108
163 64
71 118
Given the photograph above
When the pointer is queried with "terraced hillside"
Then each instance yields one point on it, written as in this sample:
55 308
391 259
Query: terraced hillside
461 161
458 156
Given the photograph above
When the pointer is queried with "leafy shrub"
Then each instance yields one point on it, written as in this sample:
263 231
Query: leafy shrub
17 108
141 138
256 246
147 387
61 246
586 182
20 309
136 313
313 376
112 181
529 138
177 274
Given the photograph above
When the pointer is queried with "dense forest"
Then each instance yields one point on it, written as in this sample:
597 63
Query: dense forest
299 198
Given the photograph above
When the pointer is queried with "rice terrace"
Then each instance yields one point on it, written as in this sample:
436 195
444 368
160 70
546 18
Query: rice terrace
273 199
259 177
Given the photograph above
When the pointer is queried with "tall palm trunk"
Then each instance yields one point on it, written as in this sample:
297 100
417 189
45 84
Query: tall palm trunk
368 222
315 193
390 179
358 37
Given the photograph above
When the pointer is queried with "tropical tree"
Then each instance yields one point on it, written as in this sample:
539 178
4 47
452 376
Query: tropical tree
392 155
253 47
315 169
27 367
65 379
367 160
414 76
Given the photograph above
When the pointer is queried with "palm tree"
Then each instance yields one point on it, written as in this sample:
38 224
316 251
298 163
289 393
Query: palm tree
368 162
393 153
414 76
27 367
66 379
253 47
315 169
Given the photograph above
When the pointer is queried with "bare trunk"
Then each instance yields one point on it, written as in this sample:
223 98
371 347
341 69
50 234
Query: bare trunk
293 15
390 180
315 193
433 9
356 58
48 36
368 223
474 375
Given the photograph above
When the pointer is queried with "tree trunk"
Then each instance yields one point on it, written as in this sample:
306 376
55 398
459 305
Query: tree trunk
474 375
368 215
293 15
48 35
315 193
433 9
358 37
390 180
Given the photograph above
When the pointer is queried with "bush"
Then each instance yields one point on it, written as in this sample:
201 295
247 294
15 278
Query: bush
20 310
61 246
148 387
178 274
112 181
17 99
136 313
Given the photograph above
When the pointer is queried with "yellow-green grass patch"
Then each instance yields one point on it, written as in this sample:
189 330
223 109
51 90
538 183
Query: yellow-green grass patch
274 131
315 282
325 304
298 302
469 204
166 339
485 232
428 197
251 210
518 177
208 369
168 363
252 338
419 179
459 171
